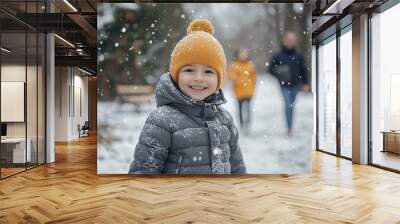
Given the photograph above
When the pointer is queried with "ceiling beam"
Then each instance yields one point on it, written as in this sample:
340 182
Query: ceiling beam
79 61
320 23
84 24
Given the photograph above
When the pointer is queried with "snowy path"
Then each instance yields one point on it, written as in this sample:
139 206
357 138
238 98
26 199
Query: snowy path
266 149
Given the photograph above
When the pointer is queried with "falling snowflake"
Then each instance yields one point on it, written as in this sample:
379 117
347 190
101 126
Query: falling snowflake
217 151
123 30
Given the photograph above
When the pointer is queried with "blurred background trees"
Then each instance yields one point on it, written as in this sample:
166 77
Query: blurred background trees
135 40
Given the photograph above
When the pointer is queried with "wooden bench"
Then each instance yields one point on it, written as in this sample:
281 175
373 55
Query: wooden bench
135 93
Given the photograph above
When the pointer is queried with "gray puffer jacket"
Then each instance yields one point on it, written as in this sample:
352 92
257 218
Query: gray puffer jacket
183 136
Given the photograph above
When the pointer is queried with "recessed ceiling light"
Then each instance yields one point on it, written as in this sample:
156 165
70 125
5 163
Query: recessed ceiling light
84 71
64 40
70 5
338 6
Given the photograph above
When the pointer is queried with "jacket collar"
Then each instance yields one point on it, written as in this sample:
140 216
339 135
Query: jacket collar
168 93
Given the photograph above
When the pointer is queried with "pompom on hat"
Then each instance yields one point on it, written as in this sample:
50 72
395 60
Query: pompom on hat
199 46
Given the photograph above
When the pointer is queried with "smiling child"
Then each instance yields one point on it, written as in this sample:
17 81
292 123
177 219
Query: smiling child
189 132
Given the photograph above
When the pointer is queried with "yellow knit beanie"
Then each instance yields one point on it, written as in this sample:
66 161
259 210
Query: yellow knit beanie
199 46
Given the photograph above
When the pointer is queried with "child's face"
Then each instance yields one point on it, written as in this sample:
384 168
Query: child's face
197 81
243 55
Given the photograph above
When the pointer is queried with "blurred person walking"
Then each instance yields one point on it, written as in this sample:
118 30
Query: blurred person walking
289 68
242 73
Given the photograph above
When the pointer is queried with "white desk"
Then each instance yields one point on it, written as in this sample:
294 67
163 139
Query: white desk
19 149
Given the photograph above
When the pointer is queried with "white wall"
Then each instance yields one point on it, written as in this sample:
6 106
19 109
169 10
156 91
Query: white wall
12 73
81 84
62 81
70 83
17 73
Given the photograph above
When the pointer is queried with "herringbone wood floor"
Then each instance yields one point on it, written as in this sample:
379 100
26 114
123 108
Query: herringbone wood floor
70 191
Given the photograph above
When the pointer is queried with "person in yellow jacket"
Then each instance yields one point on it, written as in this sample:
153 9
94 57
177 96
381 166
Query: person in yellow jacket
242 73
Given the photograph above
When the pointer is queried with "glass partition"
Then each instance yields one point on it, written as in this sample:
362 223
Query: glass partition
14 154
346 93
385 89
22 87
327 96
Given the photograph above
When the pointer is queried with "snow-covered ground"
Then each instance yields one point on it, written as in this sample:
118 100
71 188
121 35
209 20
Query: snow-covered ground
266 149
